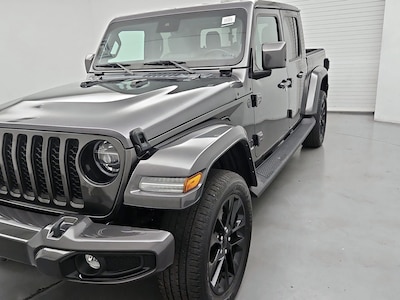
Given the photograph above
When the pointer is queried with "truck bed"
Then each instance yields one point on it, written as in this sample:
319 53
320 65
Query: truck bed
315 57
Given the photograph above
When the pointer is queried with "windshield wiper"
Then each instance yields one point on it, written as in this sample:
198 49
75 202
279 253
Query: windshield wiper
134 83
90 83
113 65
171 63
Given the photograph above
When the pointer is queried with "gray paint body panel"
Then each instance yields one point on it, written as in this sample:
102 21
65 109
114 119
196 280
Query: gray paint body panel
184 157
115 111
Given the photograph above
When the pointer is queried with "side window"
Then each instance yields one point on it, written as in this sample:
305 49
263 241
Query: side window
266 32
293 41
129 47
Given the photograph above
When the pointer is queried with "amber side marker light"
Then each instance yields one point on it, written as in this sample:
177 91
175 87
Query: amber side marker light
192 182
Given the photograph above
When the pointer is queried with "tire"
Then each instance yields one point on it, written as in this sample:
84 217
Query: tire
317 134
208 249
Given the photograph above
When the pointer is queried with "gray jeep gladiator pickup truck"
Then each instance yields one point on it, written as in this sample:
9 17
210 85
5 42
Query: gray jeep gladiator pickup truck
149 165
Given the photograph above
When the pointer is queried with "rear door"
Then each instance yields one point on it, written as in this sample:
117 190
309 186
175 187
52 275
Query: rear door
296 62
271 123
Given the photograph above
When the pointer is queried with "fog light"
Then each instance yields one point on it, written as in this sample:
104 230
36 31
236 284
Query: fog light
92 261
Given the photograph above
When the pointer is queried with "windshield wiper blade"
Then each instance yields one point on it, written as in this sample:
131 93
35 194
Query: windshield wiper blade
87 84
177 64
113 65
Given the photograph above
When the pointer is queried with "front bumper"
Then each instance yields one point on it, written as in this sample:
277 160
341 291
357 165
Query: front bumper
58 246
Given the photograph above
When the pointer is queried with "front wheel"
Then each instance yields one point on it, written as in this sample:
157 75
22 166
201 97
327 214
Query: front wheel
212 241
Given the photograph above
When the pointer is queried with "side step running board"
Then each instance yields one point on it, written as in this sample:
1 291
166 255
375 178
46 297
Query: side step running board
270 168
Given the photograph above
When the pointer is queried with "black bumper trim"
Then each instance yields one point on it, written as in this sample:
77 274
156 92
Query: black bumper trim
36 245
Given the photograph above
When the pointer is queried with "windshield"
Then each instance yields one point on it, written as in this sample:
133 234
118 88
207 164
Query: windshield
213 38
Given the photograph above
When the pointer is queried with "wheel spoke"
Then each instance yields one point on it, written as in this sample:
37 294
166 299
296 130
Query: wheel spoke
219 254
213 264
214 240
230 204
238 242
217 273
219 226
231 262
234 211
239 224
226 274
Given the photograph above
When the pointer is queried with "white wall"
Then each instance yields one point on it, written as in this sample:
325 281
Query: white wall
39 47
388 95
350 32
44 42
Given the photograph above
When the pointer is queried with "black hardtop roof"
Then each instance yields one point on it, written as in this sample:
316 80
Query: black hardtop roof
275 5
248 5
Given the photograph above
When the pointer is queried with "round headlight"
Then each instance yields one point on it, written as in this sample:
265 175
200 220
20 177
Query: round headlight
107 158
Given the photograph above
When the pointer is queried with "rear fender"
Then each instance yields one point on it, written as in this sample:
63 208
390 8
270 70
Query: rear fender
195 152
318 82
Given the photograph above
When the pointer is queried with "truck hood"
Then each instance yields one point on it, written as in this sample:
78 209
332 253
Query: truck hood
116 109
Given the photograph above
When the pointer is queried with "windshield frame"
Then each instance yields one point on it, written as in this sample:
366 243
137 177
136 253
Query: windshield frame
240 12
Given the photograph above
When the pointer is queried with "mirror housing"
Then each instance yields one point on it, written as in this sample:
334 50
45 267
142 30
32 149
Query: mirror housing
274 55
88 62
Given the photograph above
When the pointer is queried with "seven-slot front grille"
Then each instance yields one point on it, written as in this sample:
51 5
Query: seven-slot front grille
40 169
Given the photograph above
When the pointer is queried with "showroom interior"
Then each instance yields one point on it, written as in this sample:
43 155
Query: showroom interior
327 228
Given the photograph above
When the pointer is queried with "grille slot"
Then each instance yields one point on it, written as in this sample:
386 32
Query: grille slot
8 161
38 170
41 170
74 181
23 167
3 187
55 172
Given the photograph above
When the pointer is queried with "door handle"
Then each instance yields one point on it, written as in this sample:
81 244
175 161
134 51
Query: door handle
282 85
300 75
285 84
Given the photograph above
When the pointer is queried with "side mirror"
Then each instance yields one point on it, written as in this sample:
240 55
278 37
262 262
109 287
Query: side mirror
274 55
88 62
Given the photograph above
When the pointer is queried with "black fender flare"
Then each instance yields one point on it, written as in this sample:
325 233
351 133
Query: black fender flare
194 152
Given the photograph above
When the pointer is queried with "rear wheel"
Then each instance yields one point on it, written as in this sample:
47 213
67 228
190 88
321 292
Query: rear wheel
212 240
317 135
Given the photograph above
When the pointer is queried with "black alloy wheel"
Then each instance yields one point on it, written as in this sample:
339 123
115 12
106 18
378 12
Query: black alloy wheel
322 118
212 241
317 135
227 245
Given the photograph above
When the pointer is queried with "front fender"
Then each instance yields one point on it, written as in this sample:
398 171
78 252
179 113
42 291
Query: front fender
316 77
184 157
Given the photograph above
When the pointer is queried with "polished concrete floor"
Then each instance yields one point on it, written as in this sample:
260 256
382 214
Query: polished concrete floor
327 228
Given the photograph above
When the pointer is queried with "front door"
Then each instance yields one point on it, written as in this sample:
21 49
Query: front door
271 122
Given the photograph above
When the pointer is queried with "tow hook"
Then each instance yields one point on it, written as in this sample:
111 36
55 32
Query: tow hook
60 227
